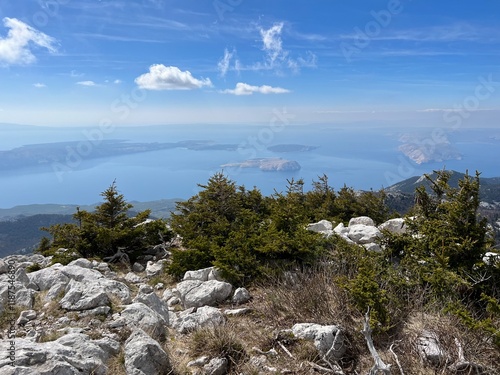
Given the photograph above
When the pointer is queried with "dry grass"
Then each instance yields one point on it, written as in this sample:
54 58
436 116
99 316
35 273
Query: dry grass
116 364
51 336
221 342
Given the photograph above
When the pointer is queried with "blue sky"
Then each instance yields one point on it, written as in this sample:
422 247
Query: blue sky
77 62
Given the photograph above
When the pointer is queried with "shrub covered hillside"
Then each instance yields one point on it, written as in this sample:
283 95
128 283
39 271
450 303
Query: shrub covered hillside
438 271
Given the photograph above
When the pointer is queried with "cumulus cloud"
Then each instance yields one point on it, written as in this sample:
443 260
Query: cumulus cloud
16 47
246 89
87 83
161 77
117 81
39 85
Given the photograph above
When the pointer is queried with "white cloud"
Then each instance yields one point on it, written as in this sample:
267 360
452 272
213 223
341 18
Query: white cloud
225 62
246 89
161 77
272 43
117 81
39 85
86 83
278 57
16 47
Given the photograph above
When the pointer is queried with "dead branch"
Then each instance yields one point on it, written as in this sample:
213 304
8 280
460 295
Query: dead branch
379 364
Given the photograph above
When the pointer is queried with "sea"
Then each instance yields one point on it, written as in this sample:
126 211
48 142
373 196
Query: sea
361 156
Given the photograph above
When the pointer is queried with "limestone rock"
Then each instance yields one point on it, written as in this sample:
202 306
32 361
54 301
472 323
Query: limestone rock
429 348
150 299
139 315
154 269
192 319
364 220
144 356
323 226
137 267
133 278
81 262
323 338
201 275
82 296
216 366
208 293
26 316
396 226
362 234
47 277
3 267
240 296
372 246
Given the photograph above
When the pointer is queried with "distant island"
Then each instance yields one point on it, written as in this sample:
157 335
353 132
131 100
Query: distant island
423 148
43 154
289 147
266 164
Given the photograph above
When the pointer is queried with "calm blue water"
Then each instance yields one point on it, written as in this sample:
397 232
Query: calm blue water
360 157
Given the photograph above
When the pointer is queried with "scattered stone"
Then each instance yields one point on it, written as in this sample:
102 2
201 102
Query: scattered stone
429 348
199 362
154 269
4 268
363 234
159 286
137 267
133 278
323 226
395 226
363 220
144 356
142 316
82 296
208 293
323 337
237 312
200 275
82 262
372 246
216 366
150 299
191 320
26 316
241 296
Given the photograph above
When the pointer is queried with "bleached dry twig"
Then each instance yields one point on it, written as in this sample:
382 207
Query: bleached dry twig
379 364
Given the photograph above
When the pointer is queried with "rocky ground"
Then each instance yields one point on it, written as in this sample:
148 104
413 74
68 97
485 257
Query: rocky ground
88 317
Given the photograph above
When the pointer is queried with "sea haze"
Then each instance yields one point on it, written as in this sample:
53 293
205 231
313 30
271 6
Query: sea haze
360 156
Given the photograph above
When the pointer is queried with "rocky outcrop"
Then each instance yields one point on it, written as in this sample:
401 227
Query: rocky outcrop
73 353
139 315
144 356
192 319
195 293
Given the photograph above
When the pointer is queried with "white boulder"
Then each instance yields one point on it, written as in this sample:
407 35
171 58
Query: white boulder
323 338
364 220
396 226
362 234
144 356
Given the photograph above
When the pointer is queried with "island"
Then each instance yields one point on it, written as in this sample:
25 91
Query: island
424 148
45 154
266 164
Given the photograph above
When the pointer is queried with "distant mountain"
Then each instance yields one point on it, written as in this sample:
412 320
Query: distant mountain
490 186
20 226
400 196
